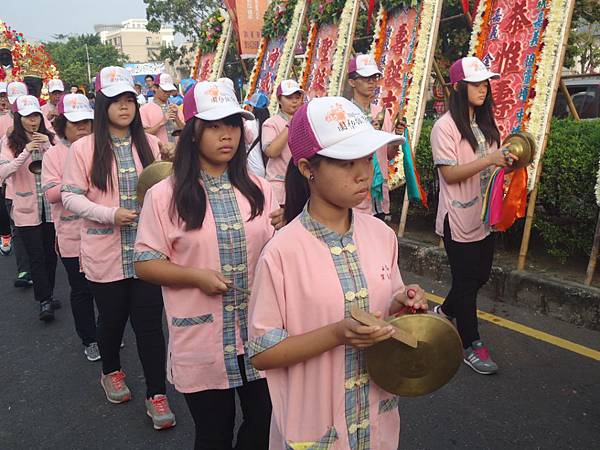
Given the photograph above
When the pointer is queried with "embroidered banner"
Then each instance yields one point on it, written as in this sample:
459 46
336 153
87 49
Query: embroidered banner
523 41
403 46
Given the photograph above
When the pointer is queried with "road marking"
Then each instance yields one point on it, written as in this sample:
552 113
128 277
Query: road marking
532 332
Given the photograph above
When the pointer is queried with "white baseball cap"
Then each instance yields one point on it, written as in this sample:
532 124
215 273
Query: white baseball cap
227 81
75 107
56 85
26 105
15 89
288 87
165 82
3 86
364 65
212 100
334 127
471 70
114 80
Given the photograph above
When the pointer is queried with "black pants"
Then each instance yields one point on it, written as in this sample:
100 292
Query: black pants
4 217
82 302
18 247
39 242
470 264
213 412
142 302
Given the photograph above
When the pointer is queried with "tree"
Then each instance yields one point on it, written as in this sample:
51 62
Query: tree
583 41
71 60
454 35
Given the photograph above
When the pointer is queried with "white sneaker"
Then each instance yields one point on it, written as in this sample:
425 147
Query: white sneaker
92 352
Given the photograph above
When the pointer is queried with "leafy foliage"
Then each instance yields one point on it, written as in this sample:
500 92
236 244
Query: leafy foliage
278 18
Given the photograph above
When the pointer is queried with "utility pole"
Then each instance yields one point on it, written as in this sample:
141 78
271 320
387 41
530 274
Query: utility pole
87 55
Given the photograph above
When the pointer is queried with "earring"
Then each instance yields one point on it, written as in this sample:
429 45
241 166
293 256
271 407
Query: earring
311 177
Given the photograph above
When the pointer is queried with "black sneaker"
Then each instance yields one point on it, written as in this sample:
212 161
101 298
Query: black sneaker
23 280
46 311
56 304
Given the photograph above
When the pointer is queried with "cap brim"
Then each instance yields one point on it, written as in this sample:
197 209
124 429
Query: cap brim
79 116
28 111
56 90
167 87
369 72
221 113
361 145
117 89
482 77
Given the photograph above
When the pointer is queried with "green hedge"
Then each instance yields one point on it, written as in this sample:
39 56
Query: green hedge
566 211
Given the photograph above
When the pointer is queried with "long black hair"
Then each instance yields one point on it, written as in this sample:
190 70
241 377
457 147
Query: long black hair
297 190
102 163
189 197
484 115
17 139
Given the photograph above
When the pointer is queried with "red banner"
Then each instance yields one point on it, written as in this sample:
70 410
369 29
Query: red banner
249 22
322 61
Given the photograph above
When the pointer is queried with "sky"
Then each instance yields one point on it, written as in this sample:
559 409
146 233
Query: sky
38 20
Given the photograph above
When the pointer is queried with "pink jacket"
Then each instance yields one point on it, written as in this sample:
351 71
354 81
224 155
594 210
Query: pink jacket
101 250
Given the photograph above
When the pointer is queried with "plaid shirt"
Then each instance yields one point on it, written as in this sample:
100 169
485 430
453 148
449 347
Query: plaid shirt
231 238
482 150
350 275
128 179
43 205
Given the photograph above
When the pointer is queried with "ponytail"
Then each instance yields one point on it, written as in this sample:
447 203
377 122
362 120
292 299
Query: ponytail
297 190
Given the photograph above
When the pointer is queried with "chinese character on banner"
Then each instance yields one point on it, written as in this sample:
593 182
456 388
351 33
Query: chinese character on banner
249 19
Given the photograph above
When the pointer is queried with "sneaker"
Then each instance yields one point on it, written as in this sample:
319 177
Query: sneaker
92 352
56 304
122 344
158 410
115 388
23 280
477 357
46 312
437 309
6 244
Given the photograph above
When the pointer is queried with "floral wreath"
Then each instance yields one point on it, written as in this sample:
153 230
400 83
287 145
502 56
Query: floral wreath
278 18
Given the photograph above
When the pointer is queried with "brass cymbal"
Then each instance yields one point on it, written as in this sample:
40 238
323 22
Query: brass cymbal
410 372
35 167
152 174
521 145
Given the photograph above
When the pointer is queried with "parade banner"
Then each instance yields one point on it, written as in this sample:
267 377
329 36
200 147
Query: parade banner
282 23
215 35
403 46
523 40
328 48
249 14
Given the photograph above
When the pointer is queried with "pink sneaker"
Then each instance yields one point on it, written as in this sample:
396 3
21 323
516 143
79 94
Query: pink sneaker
115 388
158 410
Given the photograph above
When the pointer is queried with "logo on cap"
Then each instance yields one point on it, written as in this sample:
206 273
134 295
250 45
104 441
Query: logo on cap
346 120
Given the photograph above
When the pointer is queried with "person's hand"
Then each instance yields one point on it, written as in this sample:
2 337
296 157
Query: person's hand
51 115
32 146
41 138
351 332
125 217
167 151
502 157
277 219
400 127
172 112
413 296
212 282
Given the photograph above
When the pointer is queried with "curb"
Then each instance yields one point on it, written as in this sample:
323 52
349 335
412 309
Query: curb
571 302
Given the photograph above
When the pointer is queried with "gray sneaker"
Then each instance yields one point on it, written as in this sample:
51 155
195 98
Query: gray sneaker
92 352
158 410
478 358
115 388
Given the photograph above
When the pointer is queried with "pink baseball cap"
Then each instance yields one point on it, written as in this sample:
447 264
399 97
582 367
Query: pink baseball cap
56 85
26 105
364 65
114 80
212 100
288 87
75 107
15 89
334 127
471 70
165 82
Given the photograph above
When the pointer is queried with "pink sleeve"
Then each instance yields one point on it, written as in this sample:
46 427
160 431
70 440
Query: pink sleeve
8 163
51 176
443 144
152 241
269 133
145 116
75 187
267 305
154 142
397 283
248 134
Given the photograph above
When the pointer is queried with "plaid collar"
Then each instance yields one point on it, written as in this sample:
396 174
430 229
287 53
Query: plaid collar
209 180
121 142
323 233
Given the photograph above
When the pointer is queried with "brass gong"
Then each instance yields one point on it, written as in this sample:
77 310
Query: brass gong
410 372
152 174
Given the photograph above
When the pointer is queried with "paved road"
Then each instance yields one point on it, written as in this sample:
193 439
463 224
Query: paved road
543 398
